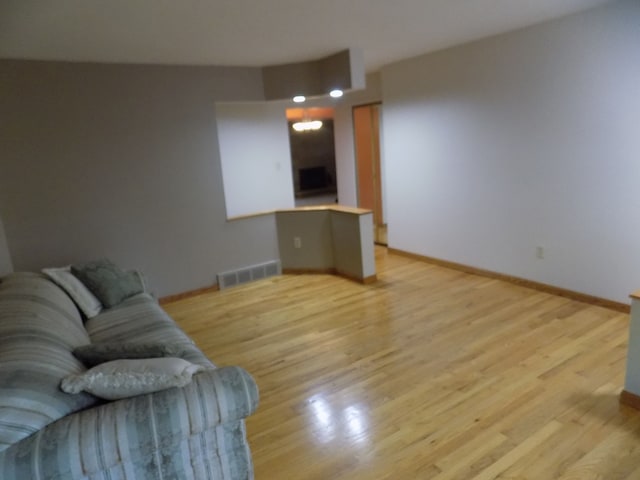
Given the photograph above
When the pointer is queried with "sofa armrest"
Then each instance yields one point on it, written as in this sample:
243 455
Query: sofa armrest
97 439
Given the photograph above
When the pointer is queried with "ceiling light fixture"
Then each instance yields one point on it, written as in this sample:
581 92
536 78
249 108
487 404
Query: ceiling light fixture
299 98
337 93
306 125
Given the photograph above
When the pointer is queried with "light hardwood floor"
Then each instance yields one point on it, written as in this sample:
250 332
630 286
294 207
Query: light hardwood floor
427 374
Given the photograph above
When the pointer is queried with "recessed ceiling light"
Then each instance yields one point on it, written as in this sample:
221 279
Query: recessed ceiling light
299 98
336 93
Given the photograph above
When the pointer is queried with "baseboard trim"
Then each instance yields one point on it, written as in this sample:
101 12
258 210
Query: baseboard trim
543 287
369 280
365 281
190 293
312 271
630 399
330 271
293 271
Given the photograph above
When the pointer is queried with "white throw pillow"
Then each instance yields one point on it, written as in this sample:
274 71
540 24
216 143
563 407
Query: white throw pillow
127 378
86 301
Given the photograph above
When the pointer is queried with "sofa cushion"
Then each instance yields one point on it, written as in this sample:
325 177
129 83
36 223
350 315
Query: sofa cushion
140 319
39 327
127 378
86 301
97 353
108 282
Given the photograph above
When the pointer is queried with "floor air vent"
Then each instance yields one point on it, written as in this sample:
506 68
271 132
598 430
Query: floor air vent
248 274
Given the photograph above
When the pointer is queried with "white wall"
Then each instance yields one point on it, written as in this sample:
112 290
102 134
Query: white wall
525 139
255 156
343 131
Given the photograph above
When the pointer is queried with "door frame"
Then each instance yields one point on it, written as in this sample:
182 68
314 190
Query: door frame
377 203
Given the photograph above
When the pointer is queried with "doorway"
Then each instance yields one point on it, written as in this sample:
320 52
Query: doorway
313 157
366 131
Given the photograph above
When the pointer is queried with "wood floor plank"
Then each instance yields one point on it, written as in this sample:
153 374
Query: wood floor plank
427 373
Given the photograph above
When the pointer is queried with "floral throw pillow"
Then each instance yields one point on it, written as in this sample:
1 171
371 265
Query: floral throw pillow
107 282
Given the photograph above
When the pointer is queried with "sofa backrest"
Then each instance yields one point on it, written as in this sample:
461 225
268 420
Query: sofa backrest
39 327
140 319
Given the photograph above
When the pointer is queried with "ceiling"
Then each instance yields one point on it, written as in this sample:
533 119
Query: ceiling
257 32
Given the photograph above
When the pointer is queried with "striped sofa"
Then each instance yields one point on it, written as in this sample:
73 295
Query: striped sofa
194 432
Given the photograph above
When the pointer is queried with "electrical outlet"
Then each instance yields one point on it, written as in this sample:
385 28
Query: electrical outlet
540 253
297 242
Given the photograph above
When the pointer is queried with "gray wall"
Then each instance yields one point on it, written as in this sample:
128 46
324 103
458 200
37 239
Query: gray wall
522 140
330 239
123 161
353 248
314 230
